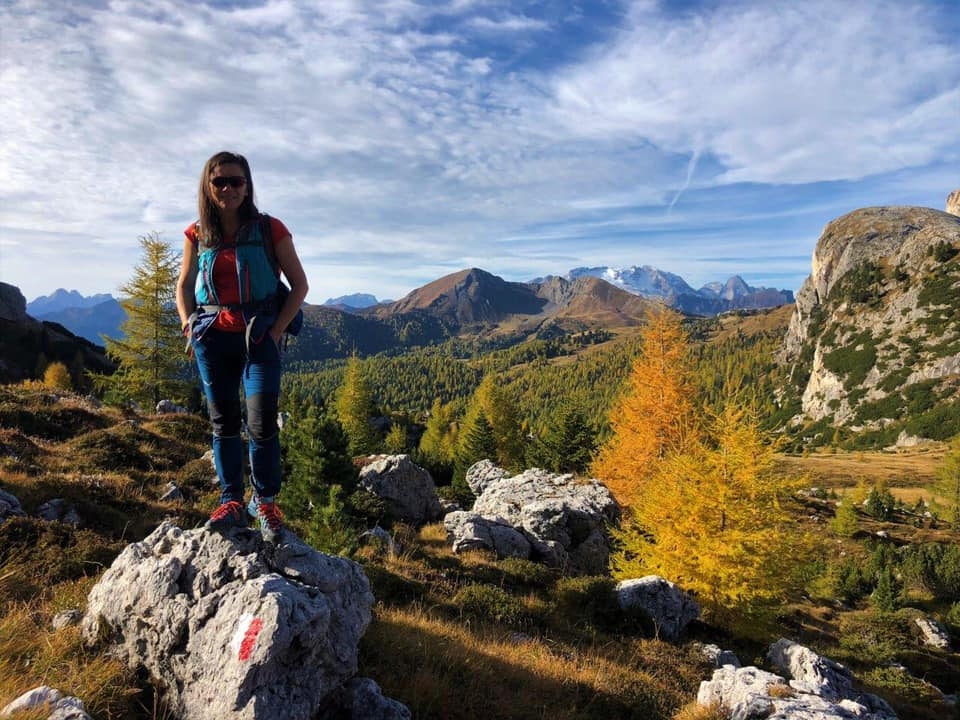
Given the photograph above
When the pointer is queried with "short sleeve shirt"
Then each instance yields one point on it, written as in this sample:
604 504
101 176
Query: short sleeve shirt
225 279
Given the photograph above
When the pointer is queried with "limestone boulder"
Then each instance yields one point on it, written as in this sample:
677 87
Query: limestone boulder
229 626
407 488
668 607
814 674
563 518
483 474
470 531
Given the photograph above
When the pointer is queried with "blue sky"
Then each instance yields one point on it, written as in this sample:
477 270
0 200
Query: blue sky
402 140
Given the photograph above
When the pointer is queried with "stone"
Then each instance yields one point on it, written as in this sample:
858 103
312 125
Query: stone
934 634
230 626
47 698
67 618
9 506
407 488
814 674
482 474
562 517
470 531
171 493
668 607
58 510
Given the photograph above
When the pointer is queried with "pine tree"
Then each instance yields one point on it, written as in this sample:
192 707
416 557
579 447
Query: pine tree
355 409
567 445
151 362
844 523
395 443
653 418
319 475
946 488
503 417
437 449
315 456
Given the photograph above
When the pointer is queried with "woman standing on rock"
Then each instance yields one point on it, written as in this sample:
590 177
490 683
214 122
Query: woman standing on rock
234 319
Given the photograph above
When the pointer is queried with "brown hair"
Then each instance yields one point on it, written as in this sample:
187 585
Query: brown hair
211 233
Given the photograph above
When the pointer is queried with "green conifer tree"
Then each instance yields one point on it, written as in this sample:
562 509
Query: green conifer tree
151 364
567 445
318 474
355 410
437 449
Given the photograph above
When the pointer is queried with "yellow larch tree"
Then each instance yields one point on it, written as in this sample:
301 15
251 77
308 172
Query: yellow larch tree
712 519
653 417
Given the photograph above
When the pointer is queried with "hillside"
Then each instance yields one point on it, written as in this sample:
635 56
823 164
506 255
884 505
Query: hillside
454 636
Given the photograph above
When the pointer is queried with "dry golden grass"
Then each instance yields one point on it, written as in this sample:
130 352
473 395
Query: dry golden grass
694 711
906 469
443 668
33 654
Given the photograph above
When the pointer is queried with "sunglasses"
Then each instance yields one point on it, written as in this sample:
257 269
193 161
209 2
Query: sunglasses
234 181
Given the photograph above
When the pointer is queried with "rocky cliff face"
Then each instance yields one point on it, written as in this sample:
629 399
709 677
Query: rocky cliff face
877 323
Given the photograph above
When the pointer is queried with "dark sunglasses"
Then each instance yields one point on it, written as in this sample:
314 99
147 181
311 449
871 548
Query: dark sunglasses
234 181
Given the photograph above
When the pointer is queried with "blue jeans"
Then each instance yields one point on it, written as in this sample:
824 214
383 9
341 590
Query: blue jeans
225 364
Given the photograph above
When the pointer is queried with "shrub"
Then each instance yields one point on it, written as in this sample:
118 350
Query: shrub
844 523
489 602
886 596
586 601
848 581
935 567
879 637
57 377
952 619
880 503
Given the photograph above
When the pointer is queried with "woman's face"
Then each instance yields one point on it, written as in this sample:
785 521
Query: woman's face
228 186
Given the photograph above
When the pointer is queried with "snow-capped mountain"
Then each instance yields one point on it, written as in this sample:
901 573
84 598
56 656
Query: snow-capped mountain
711 299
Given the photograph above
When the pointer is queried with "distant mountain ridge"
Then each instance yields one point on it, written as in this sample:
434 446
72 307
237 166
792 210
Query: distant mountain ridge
61 299
89 317
711 299
469 301
355 301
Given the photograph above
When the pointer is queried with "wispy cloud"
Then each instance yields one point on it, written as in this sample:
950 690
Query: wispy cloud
400 140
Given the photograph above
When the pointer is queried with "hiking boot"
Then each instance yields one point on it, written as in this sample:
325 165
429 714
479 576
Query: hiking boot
252 506
271 521
229 515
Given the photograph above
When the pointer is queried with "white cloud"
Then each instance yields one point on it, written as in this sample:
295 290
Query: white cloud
402 139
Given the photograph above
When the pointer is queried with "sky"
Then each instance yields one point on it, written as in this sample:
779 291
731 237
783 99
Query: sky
404 140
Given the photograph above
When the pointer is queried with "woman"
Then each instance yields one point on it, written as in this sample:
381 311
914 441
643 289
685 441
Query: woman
230 311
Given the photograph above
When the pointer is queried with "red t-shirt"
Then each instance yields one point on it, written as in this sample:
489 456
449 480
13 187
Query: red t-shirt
225 279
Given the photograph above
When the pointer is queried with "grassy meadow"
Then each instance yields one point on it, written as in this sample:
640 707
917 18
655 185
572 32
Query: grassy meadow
454 636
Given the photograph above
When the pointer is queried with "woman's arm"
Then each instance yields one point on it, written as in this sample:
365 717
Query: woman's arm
292 269
186 303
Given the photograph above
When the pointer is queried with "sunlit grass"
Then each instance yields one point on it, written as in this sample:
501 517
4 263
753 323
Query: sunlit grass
445 668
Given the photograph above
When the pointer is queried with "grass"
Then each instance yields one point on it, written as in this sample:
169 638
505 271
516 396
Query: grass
453 636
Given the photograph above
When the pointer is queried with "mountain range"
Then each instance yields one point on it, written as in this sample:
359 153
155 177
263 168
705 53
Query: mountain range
99 315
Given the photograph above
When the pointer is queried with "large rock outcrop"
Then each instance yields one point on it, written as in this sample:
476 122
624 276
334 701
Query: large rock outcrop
953 203
231 627
879 313
562 518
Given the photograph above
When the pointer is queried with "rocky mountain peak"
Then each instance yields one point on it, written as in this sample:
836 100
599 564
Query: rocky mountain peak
953 203
877 314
